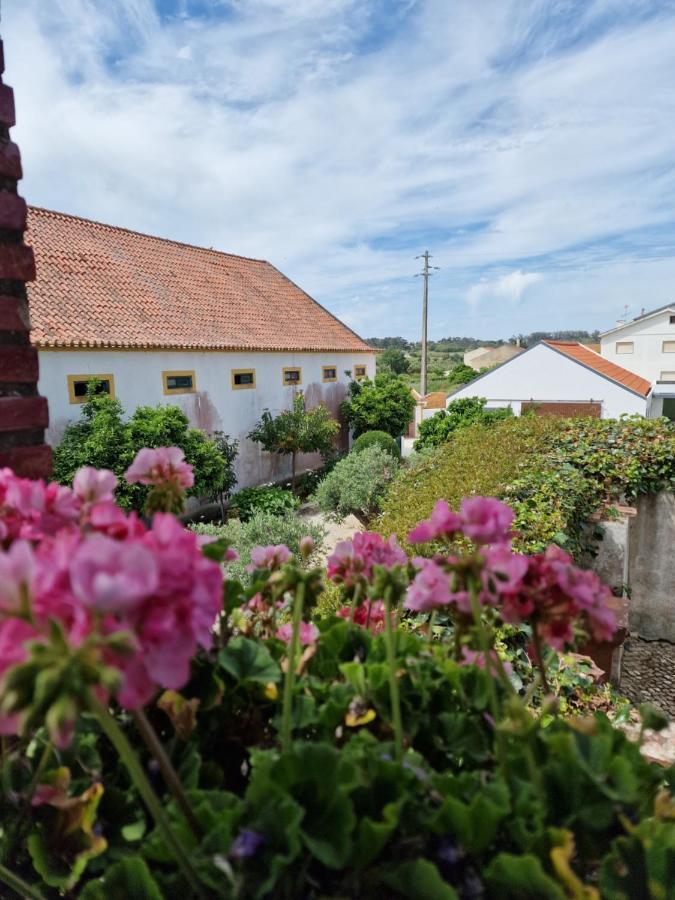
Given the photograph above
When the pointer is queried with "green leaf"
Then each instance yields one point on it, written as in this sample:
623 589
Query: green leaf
419 880
248 660
652 717
128 879
521 878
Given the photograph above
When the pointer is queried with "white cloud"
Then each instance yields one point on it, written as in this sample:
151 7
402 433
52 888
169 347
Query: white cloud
509 139
509 287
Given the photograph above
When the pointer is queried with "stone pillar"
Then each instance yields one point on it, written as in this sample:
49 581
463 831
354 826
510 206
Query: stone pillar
23 413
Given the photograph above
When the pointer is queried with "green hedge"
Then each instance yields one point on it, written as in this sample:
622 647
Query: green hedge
379 438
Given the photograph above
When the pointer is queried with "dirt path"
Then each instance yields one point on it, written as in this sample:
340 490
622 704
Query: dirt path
335 531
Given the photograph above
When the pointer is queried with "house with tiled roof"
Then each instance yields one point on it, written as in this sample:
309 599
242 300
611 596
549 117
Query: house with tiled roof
157 321
562 378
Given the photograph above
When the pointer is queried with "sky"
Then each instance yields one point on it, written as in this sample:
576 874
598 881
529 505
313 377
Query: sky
529 145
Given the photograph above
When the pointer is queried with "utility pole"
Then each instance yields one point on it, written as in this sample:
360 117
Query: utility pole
425 274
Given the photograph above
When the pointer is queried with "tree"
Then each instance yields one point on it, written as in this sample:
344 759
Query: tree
104 440
385 404
462 374
297 430
395 360
458 414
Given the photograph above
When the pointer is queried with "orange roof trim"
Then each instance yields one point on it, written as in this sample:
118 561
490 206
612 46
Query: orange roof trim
583 354
101 287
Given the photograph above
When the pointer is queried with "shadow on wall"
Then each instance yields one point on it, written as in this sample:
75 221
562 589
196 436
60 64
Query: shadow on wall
202 412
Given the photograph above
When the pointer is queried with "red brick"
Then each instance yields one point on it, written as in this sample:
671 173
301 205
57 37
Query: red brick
18 364
12 211
7 115
10 160
23 413
13 314
29 462
17 262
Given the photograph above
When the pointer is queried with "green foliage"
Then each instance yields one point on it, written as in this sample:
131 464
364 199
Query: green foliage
297 430
128 879
395 360
384 404
462 374
381 438
357 484
101 438
261 529
436 430
267 499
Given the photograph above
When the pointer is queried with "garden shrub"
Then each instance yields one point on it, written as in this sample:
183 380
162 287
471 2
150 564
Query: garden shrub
381 438
357 484
267 499
437 429
263 528
103 439
384 404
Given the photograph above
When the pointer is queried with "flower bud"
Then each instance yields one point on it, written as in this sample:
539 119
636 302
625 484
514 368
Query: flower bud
306 547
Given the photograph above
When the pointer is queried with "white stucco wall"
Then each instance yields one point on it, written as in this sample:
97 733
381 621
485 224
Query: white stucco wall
542 374
215 406
647 336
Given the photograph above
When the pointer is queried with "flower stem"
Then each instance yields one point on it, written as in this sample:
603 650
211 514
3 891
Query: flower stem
119 740
485 647
432 619
18 885
538 652
355 600
289 683
394 695
154 745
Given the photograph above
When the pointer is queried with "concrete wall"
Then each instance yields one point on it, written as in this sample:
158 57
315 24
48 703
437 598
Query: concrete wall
647 357
542 374
652 568
214 406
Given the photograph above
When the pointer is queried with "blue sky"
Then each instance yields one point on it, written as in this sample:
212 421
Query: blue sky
529 144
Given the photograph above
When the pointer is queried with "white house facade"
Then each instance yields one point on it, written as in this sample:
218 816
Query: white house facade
221 336
645 345
485 357
561 378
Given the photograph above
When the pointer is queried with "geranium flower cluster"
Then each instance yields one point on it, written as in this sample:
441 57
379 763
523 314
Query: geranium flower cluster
545 589
133 599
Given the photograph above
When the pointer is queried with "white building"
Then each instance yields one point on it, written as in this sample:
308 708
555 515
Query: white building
564 379
486 357
222 336
646 345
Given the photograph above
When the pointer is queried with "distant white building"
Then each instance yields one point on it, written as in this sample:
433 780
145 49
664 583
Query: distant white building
157 321
562 378
486 357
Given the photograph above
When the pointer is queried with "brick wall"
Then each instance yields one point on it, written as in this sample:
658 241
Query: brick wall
563 410
23 413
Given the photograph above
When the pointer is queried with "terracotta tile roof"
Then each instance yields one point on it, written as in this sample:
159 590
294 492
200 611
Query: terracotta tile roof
435 400
593 360
104 287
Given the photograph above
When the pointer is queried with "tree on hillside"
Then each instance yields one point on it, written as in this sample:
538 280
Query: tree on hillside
462 374
398 343
101 438
529 340
385 404
297 430
395 360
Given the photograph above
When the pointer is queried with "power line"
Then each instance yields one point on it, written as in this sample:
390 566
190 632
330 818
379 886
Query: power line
425 274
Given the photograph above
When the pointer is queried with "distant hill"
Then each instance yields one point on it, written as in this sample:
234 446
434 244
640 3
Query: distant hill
460 344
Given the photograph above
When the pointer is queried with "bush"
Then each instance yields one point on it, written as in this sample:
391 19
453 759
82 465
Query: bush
357 484
267 499
458 414
462 374
379 438
263 529
385 404
101 438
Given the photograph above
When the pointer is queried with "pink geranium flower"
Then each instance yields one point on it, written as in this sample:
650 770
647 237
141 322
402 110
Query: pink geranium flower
112 576
353 561
160 466
17 570
430 589
94 485
486 520
370 614
308 633
442 522
271 557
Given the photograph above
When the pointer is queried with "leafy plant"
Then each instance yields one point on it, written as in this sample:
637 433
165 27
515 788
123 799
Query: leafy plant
384 404
298 430
462 374
381 438
395 360
357 484
266 499
437 429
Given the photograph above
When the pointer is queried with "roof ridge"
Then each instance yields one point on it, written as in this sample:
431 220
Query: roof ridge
607 362
144 234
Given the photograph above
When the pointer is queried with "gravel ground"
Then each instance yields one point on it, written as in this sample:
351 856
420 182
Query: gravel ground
648 673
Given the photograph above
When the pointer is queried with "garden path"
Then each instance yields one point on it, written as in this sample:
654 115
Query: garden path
648 675
335 531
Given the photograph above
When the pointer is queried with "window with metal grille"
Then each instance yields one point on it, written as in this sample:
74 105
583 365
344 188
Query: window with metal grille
292 375
243 378
179 382
329 373
77 386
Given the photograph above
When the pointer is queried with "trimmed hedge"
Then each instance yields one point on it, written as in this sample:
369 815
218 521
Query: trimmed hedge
379 438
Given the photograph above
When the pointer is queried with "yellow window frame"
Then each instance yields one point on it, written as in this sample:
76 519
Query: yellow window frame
297 369
360 374
172 373
325 378
242 387
72 379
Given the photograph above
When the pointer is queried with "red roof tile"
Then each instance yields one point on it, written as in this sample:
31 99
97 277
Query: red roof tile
103 287
583 354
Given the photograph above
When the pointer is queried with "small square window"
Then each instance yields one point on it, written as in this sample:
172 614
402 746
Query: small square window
77 386
360 372
292 375
624 347
243 378
672 320
179 382
329 373
668 347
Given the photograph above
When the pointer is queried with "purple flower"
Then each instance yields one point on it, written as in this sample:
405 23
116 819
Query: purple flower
246 844
486 520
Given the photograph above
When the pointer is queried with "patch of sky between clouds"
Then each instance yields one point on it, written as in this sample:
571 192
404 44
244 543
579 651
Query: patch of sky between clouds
417 239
